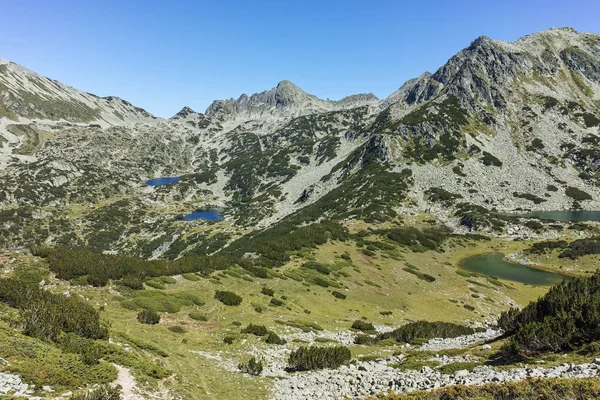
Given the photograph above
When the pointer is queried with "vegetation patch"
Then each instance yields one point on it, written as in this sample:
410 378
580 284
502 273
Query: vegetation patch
531 389
424 330
314 357
362 325
531 197
490 160
251 367
565 317
149 317
577 194
228 298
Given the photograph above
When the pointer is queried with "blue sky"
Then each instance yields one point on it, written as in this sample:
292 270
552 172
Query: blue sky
163 55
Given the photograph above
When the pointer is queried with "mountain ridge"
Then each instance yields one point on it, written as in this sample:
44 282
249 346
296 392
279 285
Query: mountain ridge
494 110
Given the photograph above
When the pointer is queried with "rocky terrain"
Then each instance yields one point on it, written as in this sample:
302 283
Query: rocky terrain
370 378
503 126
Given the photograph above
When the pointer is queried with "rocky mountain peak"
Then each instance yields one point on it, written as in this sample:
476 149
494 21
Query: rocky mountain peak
184 112
283 101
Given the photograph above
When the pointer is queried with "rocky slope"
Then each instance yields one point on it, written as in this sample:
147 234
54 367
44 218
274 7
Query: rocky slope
503 126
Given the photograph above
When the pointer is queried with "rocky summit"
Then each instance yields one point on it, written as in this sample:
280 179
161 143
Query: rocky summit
283 246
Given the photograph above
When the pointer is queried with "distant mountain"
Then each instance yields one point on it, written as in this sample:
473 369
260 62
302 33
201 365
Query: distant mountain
501 126
26 95
286 99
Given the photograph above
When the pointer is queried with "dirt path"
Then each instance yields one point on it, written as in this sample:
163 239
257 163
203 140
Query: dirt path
127 382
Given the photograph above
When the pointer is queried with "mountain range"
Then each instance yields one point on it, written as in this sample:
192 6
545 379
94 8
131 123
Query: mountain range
501 127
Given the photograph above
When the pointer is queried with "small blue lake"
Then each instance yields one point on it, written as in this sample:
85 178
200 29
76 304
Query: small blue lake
162 181
208 215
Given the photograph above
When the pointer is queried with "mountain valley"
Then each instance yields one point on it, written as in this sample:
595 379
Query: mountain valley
343 221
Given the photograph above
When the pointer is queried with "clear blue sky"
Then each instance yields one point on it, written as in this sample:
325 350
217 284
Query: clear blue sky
163 55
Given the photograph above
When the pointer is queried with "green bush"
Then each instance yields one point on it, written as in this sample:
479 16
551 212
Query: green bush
314 357
534 225
577 194
251 367
133 282
198 316
177 329
228 298
365 340
104 392
581 247
363 325
191 277
276 302
273 338
567 316
338 295
257 330
147 316
424 330
267 291
418 241
440 195
45 315
489 159
155 284
420 275
229 339
100 268
320 281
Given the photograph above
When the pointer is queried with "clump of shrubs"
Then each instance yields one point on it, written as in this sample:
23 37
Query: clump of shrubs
363 325
534 225
257 330
104 392
577 194
273 338
338 295
149 317
228 298
177 329
133 282
565 317
424 330
229 339
46 315
275 302
198 316
267 291
314 357
251 367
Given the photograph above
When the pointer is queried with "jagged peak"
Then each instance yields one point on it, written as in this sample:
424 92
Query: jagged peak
481 41
184 113
284 94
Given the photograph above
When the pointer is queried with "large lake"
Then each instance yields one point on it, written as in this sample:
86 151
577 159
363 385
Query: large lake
564 215
493 264
208 215
162 181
